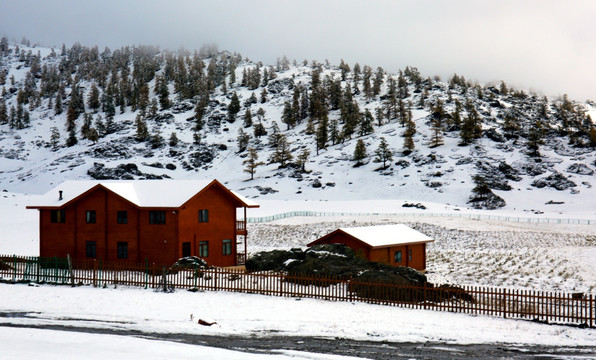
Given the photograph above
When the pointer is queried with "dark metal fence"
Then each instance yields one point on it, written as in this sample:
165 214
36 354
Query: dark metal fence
551 307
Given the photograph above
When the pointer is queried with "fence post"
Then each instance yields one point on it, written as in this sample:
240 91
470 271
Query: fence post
146 272
38 268
99 272
14 267
163 279
591 310
70 270
504 303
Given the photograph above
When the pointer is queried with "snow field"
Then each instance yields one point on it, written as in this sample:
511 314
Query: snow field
260 315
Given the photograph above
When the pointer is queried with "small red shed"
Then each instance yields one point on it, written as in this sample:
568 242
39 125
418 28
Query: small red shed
137 220
397 245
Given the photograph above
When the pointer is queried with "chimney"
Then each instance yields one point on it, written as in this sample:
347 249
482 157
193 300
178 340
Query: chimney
59 195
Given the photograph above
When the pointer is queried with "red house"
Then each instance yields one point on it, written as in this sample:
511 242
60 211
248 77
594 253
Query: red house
397 245
157 220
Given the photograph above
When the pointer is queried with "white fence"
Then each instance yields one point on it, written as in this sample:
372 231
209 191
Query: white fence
263 219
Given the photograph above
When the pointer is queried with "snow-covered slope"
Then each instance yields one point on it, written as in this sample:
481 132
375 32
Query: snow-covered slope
559 180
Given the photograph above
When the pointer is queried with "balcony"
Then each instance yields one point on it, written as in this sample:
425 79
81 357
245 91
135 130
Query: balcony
241 227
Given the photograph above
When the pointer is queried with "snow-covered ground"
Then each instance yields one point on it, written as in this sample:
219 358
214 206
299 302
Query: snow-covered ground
260 315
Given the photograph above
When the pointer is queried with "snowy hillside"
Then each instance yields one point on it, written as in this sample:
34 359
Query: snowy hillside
80 113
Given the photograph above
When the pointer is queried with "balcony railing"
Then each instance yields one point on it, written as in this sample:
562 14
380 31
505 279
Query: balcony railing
241 225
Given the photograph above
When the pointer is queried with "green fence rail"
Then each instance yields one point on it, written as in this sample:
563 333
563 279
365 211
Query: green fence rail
306 213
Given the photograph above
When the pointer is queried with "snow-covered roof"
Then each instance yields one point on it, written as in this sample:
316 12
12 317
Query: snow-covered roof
143 193
387 235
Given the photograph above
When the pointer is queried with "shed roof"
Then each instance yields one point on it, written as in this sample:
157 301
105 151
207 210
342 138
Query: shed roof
143 193
386 235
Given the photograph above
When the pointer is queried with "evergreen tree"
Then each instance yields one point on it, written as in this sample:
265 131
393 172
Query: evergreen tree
274 136
3 112
282 153
58 105
321 137
156 140
302 159
359 152
263 96
471 128
233 107
87 123
72 138
100 126
437 134
287 116
247 118
535 137
93 98
242 140
93 135
252 162
366 124
54 138
383 153
334 133
259 130
173 139
142 132
510 126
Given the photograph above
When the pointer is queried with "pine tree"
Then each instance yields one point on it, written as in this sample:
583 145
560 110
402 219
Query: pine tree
173 139
287 116
54 138
142 132
366 124
72 138
233 107
302 159
334 133
93 135
87 123
242 140
282 153
535 137
252 162
436 138
247 118
383 153
3 112
321 136
156 140
93 98
359 152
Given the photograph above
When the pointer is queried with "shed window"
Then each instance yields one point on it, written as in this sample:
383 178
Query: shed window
203 215
227 247
185 249
397 256
122 217
203 249
57 216
122 250
91 249
90 217
409 254
157 217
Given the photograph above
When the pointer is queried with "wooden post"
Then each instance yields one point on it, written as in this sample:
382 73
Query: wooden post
72 283
163 279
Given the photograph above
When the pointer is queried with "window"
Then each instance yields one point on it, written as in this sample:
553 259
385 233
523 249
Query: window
409 254
227 247
203 215
397 256
203 249
91 249
57 216
122 217
157 217
185 249
90 217
122 250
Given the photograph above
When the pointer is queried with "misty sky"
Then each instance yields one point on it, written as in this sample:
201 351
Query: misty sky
542 45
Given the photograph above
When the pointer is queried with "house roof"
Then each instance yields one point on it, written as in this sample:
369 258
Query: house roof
384 235
143 193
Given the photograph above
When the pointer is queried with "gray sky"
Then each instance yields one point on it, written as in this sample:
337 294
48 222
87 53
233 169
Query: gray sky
542 45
